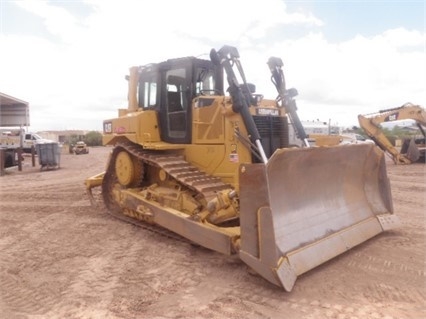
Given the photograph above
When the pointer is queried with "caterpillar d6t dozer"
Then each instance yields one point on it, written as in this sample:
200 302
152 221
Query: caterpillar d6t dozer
216 169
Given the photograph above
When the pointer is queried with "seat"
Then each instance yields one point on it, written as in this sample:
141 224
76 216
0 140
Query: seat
173 101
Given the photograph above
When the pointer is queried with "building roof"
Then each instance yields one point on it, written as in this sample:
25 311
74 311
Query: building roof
13 111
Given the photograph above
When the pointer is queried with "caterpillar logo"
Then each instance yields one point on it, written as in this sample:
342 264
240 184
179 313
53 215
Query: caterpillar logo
392 117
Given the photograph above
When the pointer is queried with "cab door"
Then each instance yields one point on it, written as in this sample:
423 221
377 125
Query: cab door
175 117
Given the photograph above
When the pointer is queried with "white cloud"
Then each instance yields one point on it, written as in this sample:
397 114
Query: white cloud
81 76
221 20
401 37
361 75
58 21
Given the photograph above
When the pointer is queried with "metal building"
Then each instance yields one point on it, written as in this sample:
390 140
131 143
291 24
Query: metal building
13 112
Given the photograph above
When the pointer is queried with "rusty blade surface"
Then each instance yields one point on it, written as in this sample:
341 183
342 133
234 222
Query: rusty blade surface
308 205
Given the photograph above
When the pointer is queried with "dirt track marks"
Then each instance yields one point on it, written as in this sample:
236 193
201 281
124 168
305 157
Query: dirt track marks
59 258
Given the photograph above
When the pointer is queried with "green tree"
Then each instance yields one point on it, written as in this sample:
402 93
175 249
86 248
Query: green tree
72 139
93 138
396 132
358 130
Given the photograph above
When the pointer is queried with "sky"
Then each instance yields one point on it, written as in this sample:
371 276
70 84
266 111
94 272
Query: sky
68 59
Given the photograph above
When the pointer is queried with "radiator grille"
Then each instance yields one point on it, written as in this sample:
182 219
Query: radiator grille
273 132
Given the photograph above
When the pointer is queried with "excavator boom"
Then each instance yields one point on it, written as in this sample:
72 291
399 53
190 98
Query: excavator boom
410 152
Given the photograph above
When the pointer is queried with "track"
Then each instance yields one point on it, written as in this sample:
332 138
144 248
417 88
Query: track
202 185
175 166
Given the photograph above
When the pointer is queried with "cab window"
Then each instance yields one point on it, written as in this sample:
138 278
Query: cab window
176 103
204 81
148 94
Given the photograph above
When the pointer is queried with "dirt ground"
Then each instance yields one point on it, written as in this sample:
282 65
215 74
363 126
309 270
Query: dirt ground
62 258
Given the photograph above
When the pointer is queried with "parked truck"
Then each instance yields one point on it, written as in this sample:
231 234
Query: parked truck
80 148
13 139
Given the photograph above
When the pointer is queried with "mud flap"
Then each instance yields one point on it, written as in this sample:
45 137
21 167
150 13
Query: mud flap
307 206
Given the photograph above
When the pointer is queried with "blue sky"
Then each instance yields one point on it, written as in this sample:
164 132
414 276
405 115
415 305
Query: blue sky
345 19
68 58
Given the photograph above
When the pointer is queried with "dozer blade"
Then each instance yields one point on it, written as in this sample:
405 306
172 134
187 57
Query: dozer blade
306 206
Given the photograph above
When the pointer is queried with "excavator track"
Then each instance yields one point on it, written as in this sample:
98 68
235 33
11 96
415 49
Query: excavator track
187 175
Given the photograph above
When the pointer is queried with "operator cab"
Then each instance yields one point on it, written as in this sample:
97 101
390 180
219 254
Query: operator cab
169 88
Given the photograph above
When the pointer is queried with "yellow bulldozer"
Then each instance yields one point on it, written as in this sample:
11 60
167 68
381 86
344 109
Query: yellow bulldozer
216 169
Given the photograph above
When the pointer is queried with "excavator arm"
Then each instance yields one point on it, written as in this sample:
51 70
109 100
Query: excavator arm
370 123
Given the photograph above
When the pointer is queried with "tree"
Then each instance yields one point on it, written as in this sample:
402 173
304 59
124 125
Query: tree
93 138
395 133
72 139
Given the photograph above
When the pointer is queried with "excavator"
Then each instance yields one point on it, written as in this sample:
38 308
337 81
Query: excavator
412 150
215 169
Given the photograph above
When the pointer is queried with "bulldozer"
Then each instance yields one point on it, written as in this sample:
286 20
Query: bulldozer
413 149
214 167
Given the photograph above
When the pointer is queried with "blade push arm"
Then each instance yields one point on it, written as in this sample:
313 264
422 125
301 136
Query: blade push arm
228 56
